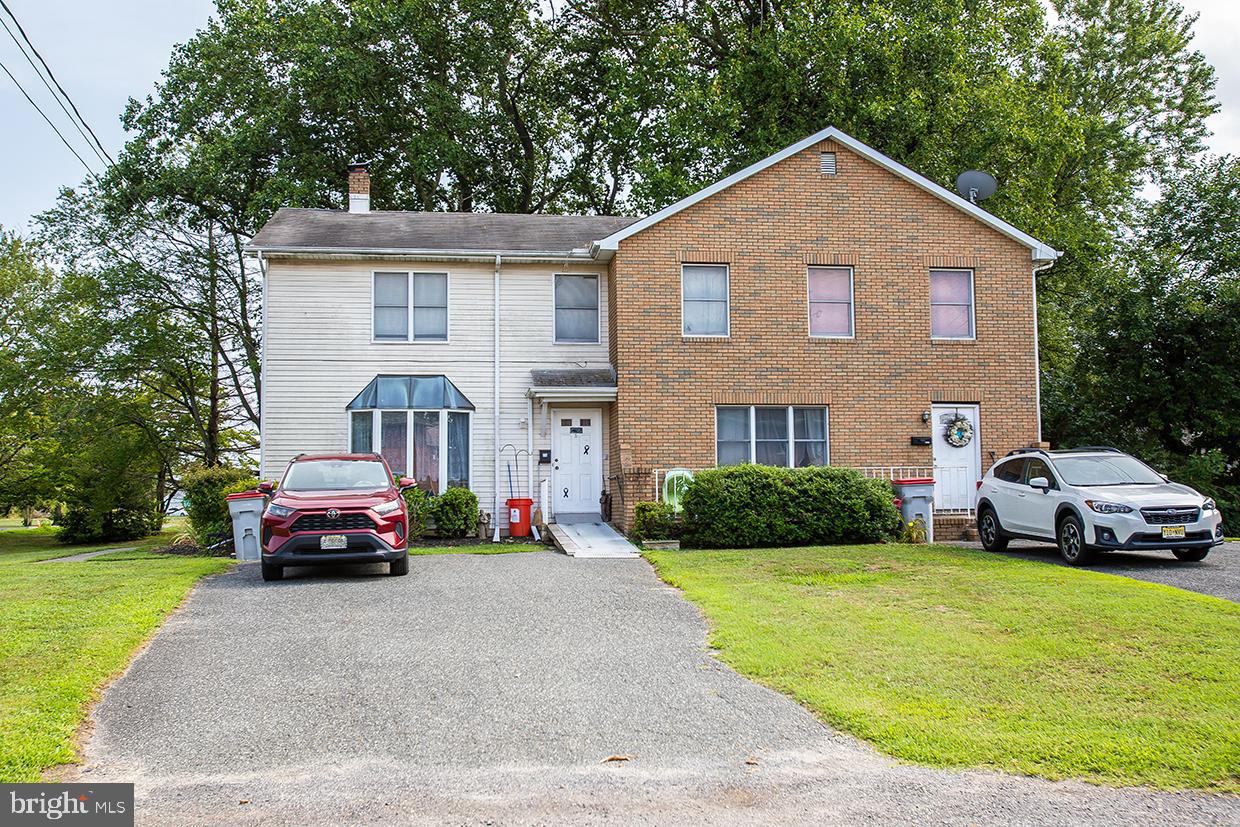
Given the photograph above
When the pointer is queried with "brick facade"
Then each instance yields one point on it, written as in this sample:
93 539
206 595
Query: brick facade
769 228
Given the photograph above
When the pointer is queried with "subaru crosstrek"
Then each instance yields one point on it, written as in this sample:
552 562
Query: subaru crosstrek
1093 499
335 508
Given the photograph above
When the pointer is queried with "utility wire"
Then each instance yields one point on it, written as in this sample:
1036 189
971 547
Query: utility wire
49 121
17 23
63 108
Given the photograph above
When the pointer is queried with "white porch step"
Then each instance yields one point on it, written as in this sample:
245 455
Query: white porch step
591 539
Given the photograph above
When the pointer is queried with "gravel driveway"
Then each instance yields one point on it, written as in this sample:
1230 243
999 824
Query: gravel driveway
1218 574
492 690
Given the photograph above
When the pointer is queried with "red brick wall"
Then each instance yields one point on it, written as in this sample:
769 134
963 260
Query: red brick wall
768 229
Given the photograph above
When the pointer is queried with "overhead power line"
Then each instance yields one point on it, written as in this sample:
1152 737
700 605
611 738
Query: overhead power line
55 128
17 23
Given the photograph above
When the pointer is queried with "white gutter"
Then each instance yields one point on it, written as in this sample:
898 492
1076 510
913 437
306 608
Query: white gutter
557 393
495 406
262 370
1037 347
420 253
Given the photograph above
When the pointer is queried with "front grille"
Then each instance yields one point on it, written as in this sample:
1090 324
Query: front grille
1169 516
347 521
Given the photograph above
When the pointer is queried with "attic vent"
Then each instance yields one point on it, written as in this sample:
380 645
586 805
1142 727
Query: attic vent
827 163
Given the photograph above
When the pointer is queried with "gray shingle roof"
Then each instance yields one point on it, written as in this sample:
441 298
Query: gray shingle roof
574 378
293 229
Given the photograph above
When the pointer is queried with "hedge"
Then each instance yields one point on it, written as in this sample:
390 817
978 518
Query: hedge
205 490
750 506
654 521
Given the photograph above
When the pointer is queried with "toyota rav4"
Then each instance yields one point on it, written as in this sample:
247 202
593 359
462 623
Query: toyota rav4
1093 499
335 508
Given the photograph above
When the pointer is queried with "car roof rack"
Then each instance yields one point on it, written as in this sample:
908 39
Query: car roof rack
1107 448
1016 451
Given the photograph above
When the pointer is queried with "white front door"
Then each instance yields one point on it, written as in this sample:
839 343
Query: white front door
576 461
957 468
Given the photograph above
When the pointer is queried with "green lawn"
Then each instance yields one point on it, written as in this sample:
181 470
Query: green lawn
67 629
957 658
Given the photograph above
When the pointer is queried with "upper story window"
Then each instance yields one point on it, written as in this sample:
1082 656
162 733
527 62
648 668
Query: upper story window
767 435
951 304
576 309
704 305
397 319
831 302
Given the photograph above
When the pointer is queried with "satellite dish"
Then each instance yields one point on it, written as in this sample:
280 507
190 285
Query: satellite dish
976 185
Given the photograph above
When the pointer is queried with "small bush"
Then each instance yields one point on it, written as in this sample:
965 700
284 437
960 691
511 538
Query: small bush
205 490
456 512
913 532
749 506
420 511
83 524
654 521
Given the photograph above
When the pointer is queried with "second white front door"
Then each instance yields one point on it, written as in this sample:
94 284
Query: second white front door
957 456
576 461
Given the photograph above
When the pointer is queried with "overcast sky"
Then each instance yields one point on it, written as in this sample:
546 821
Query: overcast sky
105 52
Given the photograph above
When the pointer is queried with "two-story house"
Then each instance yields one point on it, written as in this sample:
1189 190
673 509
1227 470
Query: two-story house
824 305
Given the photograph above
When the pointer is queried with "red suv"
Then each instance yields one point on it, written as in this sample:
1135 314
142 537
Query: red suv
335 508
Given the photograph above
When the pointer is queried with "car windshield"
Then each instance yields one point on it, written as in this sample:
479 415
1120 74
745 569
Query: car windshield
1116 469
336 475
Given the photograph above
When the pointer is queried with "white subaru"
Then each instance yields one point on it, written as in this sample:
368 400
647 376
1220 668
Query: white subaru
1093 499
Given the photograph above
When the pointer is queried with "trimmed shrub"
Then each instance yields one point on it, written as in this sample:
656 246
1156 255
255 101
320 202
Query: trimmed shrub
420 511
654 521
205 490
750 506
456 512
84 524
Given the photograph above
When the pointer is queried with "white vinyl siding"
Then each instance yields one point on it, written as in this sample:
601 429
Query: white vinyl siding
704 305
783 436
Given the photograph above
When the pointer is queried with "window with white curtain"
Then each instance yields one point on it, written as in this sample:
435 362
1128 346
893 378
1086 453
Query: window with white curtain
831 301
704 305
411 307
414 445
785 436
576 308
951 304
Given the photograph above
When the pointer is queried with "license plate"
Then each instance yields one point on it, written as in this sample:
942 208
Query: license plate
332 541
1173 532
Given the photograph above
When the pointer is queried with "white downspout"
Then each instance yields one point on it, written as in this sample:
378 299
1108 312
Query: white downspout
1037 347
499 509
262 371
529 447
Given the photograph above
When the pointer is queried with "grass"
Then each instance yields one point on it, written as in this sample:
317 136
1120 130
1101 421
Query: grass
68 628
957 658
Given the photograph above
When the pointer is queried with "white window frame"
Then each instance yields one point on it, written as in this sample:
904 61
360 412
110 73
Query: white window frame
792 440
852 304
727 300
598 302
376 444
410 336
972 304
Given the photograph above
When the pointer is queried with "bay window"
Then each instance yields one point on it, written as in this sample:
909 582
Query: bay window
784 436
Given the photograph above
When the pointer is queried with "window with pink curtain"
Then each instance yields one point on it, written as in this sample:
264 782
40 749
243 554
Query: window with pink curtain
830 301
951 304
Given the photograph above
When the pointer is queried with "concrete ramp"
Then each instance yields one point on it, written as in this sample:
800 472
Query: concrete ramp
591 539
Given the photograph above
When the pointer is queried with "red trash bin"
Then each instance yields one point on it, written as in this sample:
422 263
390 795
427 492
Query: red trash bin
519 517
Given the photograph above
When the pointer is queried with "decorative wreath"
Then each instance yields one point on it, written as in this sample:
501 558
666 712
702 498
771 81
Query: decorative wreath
959 432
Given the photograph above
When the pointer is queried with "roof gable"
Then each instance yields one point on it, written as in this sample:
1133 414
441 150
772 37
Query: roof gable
1038 250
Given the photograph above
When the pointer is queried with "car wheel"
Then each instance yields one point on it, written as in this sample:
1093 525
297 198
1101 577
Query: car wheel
1072 541
271 572
1191 555
990 532
400 567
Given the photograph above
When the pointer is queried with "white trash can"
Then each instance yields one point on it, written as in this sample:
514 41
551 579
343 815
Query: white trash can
246 510
917 502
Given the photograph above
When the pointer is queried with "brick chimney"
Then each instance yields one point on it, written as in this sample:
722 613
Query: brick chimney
359 186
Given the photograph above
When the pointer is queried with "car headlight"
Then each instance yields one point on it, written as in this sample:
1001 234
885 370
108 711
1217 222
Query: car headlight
1208 505
387 507
1108 508
274 510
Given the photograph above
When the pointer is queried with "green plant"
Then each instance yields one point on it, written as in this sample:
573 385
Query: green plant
913 532
456 512
654 521
420 505
205 491
749 506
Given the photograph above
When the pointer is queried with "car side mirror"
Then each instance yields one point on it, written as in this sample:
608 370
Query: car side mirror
266 487
1165 478
1040 482
405 483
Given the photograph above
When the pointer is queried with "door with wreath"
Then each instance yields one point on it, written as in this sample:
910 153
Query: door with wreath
956 433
